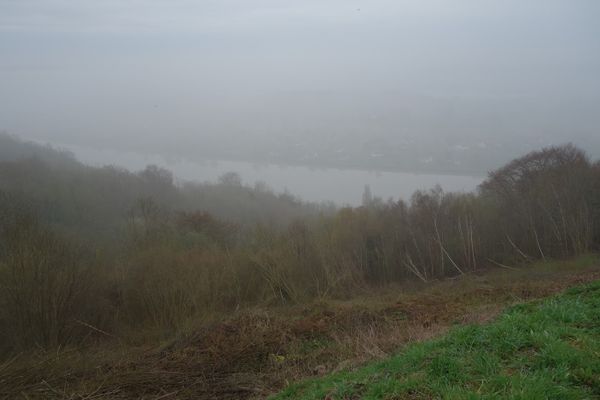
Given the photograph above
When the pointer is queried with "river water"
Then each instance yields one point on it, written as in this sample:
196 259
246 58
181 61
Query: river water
342 186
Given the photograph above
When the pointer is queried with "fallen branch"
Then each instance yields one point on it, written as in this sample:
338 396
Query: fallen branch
502 265
95 329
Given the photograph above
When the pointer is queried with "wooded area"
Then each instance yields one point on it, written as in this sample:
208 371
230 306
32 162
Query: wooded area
86 253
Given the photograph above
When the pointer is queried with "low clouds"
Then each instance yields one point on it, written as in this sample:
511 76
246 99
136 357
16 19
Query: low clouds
275 70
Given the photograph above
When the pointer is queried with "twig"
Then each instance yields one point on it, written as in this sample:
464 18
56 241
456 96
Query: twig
95 329
502 265
166 395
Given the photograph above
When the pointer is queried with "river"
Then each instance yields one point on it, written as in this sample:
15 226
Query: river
342 186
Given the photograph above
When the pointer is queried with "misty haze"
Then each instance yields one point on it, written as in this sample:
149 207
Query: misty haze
411 86
219 199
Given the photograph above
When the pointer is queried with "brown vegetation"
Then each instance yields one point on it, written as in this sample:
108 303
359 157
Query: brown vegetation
298 294
258 351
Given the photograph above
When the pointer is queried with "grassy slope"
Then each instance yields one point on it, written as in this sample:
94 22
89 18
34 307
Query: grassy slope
256 352
540 350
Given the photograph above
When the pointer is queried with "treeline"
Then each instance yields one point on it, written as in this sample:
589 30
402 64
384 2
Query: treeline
170 263
94 202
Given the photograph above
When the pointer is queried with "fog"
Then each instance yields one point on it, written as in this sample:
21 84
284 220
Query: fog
413 86
313 184
219 199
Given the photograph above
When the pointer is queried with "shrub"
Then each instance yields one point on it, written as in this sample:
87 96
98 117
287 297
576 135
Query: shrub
46 286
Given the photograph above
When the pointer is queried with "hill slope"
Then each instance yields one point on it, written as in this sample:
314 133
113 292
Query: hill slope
541 350
254 353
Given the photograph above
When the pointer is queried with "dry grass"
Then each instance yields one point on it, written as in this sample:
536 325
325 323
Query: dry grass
256 352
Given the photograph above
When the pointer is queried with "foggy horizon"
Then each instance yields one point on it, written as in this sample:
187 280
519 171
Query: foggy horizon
415 86
299 200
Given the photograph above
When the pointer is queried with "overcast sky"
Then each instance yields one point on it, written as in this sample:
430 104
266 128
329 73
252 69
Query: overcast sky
93 72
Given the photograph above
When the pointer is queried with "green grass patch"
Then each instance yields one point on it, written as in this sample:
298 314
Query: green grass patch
546 349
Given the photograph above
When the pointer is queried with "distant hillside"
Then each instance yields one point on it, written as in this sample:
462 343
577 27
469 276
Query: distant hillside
69 194
14 149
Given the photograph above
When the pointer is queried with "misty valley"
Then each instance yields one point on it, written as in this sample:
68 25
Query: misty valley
340 186
299 200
